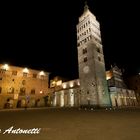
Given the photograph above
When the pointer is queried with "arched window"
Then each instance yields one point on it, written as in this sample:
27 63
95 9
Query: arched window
99 58
98 50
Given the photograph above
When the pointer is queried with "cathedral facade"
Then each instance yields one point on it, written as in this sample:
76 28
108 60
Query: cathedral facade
92 89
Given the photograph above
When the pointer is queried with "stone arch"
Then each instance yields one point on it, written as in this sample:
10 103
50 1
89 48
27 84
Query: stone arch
9 103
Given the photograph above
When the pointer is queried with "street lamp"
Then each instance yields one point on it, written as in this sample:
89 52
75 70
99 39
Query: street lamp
25 70
6 66
42 73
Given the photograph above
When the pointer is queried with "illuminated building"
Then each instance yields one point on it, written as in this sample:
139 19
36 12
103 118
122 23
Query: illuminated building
19 86
22 86
120 95
133 82
93 84
67 94
91 89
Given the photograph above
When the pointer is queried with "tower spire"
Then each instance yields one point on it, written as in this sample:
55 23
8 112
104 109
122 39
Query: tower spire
86 6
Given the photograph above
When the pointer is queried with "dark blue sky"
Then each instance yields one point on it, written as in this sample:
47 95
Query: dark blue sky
42 35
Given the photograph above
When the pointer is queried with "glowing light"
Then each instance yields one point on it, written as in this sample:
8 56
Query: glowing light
59 83
52 83
42 73
108 77
78 83
71 84
41 91
5 66
25 70
64 86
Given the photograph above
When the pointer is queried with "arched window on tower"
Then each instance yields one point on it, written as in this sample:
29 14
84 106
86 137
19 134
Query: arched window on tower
99 58
98 50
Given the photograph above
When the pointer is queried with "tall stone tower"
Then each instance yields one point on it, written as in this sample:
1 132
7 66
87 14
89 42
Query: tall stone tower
94 90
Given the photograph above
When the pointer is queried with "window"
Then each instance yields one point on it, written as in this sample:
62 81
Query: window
0 89
25 74
85 59
84 50
11 90
32 91
14 72
22 91
98 50
99 58
85 40
34 75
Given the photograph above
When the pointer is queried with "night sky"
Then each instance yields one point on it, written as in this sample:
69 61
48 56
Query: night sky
42 35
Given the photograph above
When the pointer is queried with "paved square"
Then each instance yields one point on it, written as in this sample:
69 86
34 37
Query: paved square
72 124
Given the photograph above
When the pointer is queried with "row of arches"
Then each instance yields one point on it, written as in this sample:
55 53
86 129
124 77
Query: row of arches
118 101
22 103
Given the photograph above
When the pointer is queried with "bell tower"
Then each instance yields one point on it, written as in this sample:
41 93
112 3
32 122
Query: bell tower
93 84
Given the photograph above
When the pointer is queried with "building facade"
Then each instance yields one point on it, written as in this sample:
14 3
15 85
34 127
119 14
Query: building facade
120 95
66 94
20 87
133 82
